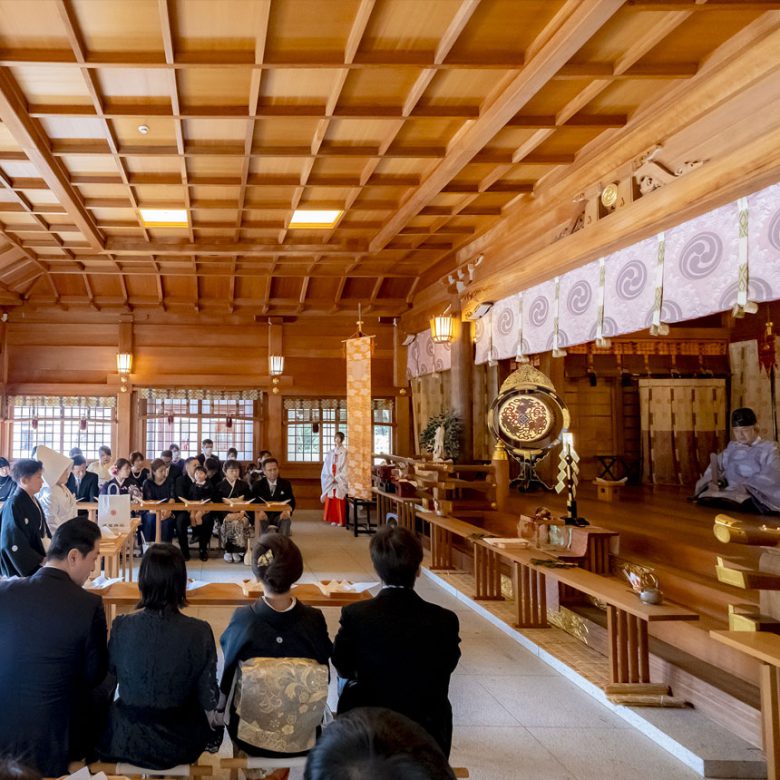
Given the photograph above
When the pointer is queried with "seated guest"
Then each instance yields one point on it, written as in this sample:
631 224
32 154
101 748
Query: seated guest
120 483
58 503
102 466
166 456
23 522
396 650
207 451
138 471
274 488
232 454
7 485
82 483
255 470
177 463
370 743
748 470
182 486
75 451
165 665
214 472
158 488
52 654
277 625
235 525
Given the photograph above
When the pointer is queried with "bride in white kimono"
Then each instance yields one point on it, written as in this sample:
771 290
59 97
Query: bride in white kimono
334 483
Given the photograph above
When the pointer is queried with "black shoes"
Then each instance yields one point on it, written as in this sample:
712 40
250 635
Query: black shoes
204 556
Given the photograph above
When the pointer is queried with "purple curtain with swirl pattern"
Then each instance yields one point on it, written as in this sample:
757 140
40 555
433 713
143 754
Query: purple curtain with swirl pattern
538 314
506 326
764 244
578 306
425 357
701 265
630 288
701 274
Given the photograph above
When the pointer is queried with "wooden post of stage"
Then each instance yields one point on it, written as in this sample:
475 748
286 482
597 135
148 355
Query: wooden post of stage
403 425
461 390
501 470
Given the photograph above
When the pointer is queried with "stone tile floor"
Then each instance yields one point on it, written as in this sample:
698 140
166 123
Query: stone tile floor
515 717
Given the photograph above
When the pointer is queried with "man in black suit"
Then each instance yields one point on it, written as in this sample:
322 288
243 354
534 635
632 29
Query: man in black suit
52 653
397 650
82 483
272 487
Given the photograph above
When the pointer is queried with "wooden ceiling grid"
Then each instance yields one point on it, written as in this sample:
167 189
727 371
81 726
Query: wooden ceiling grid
421 125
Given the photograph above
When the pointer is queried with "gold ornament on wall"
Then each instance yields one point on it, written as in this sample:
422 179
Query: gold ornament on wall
609 196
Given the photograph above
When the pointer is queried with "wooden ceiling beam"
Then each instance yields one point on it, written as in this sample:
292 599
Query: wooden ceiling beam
31 138
358 28
580 21
703 5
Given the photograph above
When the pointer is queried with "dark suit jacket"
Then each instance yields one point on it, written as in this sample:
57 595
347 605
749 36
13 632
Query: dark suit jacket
88 488
400 651
284 491
52 653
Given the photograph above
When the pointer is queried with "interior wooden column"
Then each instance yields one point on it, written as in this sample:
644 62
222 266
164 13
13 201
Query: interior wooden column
461 388
275 409
124 423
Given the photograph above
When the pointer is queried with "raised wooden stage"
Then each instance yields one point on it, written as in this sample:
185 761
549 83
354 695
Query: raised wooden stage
661 530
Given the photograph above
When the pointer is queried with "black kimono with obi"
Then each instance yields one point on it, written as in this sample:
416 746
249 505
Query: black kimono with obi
21 535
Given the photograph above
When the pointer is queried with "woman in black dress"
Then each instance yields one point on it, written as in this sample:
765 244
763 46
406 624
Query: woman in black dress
165 665
277 625
158 488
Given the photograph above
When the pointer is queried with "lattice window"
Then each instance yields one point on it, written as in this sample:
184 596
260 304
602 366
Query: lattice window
311 423
61 423
186 422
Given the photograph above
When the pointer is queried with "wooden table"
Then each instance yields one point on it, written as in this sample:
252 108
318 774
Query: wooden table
222 594
116 555
764 647
253 508
627 616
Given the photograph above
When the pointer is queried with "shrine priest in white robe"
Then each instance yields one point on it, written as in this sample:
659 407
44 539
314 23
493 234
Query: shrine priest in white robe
746 475
334 483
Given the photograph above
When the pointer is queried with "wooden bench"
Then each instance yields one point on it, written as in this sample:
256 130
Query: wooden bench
627 616
234 764
764 647
130 770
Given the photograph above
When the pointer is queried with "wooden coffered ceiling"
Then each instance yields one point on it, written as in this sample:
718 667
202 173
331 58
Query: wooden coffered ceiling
423 120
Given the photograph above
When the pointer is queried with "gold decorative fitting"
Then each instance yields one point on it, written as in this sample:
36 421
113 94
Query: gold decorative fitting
609 196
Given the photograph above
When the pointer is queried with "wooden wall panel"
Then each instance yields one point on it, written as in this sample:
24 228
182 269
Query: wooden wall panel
56 355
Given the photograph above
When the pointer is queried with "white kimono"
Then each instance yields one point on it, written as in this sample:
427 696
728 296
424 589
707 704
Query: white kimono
57 502
334 480
750 471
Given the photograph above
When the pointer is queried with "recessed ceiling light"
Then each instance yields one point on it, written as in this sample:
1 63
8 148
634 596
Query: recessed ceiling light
315 218
143 129
164 217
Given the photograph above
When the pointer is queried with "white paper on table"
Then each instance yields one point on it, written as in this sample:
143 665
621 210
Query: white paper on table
344 586
195 584
101 582
107 533
83 774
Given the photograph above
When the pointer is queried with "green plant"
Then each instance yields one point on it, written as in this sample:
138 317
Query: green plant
452 432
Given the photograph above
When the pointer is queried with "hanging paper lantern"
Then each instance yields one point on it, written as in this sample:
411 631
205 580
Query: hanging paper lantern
170 419
34 423
83 424
229 422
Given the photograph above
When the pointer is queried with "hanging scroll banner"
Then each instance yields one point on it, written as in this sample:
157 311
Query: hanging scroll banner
359 416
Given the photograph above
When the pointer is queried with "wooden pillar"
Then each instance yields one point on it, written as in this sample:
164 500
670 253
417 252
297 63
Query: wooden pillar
461 390
124 407
403 426
275 409
501 469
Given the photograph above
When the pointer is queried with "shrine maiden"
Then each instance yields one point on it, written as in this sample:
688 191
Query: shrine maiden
334 483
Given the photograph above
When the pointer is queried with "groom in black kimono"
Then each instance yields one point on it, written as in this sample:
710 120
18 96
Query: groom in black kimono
52 654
